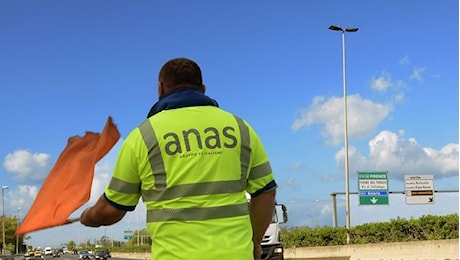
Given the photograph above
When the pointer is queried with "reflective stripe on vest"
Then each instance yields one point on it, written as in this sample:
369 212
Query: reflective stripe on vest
183 214
161 192
155 159
123 186
260 171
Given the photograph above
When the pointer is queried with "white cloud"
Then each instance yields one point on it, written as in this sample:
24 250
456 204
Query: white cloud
446 159
296 166
381 83
102 176
21 197
391 152
293 183
363 117
27 165
399 97
384 83
404 61
417 74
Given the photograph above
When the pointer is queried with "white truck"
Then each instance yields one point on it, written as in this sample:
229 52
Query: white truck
48 251
272 249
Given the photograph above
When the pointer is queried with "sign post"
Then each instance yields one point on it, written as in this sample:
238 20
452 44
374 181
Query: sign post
373 188
419 189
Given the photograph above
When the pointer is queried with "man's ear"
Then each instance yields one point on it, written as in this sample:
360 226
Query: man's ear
203 88
161 89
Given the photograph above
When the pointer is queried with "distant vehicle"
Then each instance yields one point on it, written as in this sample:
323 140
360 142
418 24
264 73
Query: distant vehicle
84 254
57 252
48 251
28 255
33 254
107 252
100 254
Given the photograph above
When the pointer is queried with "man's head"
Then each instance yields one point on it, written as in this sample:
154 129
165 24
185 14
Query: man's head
178 73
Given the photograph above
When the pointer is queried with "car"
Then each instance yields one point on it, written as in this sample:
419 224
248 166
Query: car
107 252
57 252
27 255
100 254
84 254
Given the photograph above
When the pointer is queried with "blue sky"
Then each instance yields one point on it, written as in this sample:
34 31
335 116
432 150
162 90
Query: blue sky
65 66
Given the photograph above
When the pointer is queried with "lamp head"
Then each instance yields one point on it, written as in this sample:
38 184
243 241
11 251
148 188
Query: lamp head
335 28
351 29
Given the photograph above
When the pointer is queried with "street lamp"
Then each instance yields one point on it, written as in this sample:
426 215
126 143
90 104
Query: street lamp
17 236
316 213
345 125
4 187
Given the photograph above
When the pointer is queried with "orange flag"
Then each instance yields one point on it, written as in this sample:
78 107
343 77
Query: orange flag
68 185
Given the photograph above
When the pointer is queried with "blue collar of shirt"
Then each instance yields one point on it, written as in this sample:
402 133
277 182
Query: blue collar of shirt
182 97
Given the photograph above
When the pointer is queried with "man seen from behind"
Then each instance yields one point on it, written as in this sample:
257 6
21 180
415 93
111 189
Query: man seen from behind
192 163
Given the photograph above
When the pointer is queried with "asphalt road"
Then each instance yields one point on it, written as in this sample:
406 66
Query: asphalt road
64 257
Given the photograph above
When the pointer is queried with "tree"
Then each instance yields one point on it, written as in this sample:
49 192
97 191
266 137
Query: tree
11 224
105 240
71 245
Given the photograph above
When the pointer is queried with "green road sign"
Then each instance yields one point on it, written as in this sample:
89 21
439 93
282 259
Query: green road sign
128 234
373 188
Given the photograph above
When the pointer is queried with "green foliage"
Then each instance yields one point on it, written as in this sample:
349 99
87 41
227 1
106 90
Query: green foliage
396 230
11 223
71 245
305 236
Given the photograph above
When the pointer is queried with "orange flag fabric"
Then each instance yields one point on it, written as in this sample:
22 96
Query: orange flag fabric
68 185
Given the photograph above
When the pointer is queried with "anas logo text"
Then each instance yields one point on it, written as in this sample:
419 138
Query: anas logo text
211 138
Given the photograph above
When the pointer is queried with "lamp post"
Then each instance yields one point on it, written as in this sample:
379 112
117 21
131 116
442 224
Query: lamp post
17 236
345 125
316 213
4 187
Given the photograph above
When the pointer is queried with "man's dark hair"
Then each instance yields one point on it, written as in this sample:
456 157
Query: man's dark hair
180 72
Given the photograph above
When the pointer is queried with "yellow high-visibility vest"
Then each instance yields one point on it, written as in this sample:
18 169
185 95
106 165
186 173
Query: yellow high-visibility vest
192 167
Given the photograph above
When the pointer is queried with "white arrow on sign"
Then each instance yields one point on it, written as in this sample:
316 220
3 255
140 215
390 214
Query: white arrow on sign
374 200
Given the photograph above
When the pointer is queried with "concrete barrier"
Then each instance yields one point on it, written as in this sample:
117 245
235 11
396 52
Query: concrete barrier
133 255
417 250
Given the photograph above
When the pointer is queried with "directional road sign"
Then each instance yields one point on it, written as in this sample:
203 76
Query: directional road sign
373 188
128 234
419 189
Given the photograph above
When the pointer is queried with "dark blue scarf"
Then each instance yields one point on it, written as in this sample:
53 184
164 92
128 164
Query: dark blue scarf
183 97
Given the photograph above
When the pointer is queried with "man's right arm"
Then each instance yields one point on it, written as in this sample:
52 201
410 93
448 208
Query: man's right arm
101 214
